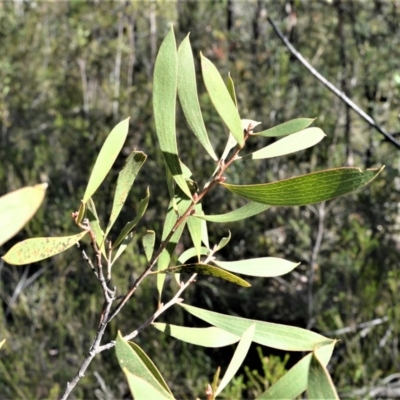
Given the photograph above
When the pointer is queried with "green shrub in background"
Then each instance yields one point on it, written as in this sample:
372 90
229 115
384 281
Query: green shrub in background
174 76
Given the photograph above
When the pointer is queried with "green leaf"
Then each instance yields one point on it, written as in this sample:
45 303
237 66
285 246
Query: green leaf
207 337
223 242
32 250
137 363
282 337
237 359
320 385
187 92
221 99
265 267
4 340
205 269
148 244
106 158
95 225
290 144
195 230
295 381
189 253
247 211
307 189
287 128
126 177
17 208
141 209
164 101
230 85
81 212
123 245
142 390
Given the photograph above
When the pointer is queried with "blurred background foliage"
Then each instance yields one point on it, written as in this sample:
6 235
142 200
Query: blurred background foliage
69 71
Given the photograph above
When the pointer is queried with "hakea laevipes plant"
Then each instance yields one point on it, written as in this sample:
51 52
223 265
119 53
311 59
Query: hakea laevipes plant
174 76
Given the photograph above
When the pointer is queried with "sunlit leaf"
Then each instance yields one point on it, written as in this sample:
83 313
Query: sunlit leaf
186 255
205 269
223 242
295 381
164 102
282 337
237 359
106 158
263 267
290 144
148 244
122 246
207 337
4 340
141 209
17 208
320 385
230 85
126 177
194 226
187 91
287 128
95 226
221 99
307 189
247 211
32 250
137 363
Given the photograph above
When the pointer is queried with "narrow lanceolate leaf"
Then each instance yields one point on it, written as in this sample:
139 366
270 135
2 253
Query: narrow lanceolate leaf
247 211
125 181
32 250
282 337
223 242
230 85
137 363
320 385
148 244
81 212
187 92
221 99
142 390
207 337
290 144
4 340
307 189
287 128
265 267
195 227
189 253
205 269
17 208
164 101
295 381
108 154
95 226
237 359
141 209
122 246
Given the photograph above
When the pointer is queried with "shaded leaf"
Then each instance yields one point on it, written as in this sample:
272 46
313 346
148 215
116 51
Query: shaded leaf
295 381
221 99
282 337
17 208
237 359
122 247
95 225
263 267
137 363
205 269
148 240
207 337
141 209
307 189
126 177
164 102
32 250
187 92
81 212
106 158
320 385
290 144
287 128
247 211
195 227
